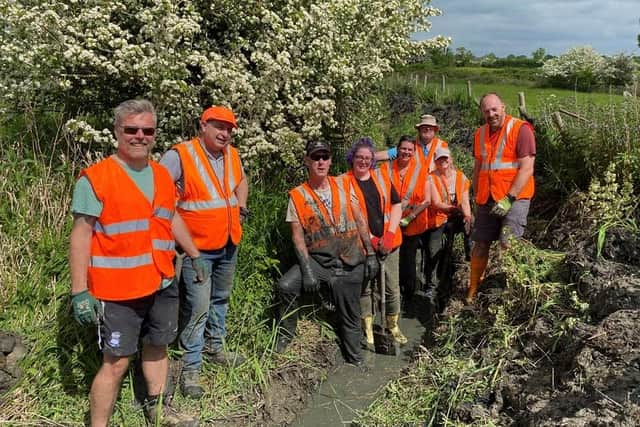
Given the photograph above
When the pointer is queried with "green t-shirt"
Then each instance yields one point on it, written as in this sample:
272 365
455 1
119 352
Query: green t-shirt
85 201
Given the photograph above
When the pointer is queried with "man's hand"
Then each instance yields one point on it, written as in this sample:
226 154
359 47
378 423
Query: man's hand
371 267
202 270
85 308
310 282
244 214
502 206
467 225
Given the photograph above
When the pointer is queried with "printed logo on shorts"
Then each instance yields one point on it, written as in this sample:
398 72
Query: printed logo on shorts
114 341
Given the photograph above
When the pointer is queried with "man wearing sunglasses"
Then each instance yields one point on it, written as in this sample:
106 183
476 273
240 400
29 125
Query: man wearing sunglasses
121 261
213 191
329 237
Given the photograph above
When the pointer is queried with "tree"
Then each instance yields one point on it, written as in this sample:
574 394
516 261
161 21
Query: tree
620 70
538 55
463 57
442 57
290 69
581 68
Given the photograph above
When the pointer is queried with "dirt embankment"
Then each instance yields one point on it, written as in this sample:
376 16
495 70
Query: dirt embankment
591 375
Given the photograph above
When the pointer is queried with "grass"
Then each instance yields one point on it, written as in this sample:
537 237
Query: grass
536 98
458 375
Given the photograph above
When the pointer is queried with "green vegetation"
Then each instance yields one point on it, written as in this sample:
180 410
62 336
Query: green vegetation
508 87
598 154
463 367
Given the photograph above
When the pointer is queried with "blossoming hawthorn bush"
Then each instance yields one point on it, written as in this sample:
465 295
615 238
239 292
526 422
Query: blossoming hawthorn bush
290 69
584 68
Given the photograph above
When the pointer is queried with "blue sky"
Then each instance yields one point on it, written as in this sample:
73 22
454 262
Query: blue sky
521 26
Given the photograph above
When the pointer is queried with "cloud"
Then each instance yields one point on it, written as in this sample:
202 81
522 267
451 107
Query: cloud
520 27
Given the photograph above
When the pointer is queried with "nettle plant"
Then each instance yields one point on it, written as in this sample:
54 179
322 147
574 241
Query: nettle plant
285 67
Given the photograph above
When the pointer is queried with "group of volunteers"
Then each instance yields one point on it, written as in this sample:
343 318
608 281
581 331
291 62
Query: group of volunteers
131 216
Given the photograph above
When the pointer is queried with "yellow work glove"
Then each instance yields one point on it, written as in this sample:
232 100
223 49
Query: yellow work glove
502 206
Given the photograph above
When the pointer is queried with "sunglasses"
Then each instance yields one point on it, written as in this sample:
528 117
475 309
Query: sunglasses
132 130
317 156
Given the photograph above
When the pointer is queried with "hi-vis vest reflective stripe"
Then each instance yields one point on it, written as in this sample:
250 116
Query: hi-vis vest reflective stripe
382 182
132 246
330 236
412 192
499 161
209 208
461 184
428 160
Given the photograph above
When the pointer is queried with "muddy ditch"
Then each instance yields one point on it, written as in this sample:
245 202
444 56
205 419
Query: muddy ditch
589 376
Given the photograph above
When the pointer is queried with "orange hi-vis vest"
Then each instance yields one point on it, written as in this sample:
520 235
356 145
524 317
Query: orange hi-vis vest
208 207
498 157
132 246
329 236
412 192
428 160
381 179
461 184
436 216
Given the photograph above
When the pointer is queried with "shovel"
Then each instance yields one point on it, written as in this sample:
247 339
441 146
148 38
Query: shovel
384 342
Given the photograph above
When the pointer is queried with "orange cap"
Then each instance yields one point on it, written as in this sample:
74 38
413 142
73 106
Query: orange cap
218 112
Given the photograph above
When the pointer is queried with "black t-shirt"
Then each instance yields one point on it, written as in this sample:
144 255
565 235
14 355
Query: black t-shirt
372 201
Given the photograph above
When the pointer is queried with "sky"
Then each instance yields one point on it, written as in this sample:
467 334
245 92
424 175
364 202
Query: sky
520 27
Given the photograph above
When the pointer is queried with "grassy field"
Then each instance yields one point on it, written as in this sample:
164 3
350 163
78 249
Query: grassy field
536 99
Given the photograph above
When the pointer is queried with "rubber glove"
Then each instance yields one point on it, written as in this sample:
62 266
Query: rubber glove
244 214
202 270
406 220
502 206
85 308
371 267
310 282
385 245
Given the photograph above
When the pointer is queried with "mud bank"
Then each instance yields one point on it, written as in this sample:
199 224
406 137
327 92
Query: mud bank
591 375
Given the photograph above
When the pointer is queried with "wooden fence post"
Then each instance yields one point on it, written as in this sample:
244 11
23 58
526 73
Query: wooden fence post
557 120
444 83
522 106
469 91
425 80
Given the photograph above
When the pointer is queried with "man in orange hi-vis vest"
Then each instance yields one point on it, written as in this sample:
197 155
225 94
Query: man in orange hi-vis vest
504 150
427 145
334 252
213 191
121 259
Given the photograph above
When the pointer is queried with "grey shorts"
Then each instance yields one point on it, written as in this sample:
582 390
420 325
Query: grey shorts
152 319
488 228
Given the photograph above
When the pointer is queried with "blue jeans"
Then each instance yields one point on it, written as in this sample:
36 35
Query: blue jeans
204 307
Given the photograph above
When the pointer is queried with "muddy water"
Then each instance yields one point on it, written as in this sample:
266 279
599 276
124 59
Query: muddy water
349 389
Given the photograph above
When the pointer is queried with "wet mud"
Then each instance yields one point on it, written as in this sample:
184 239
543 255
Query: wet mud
11 351
591 375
